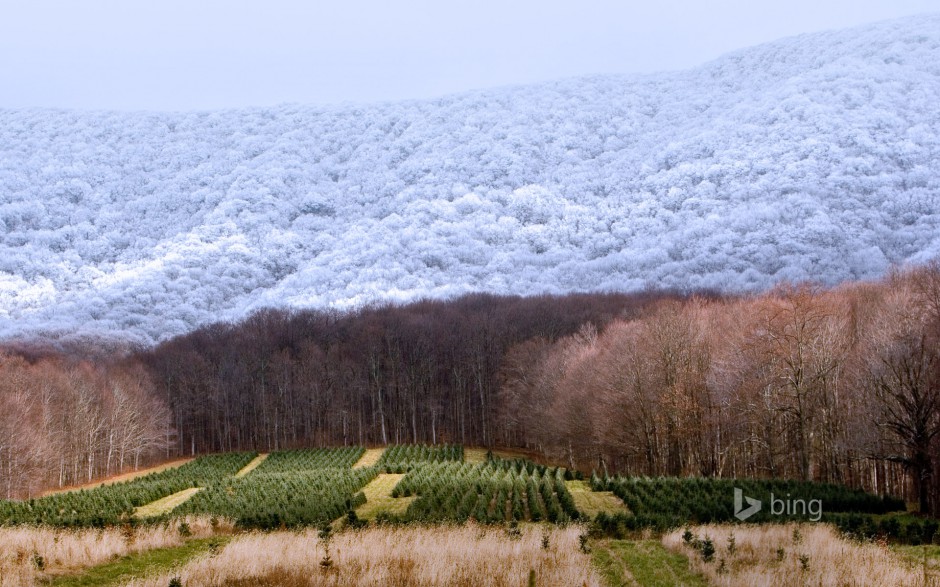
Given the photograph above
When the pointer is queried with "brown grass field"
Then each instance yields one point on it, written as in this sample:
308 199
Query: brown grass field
798 554
470 555
68 551
458 556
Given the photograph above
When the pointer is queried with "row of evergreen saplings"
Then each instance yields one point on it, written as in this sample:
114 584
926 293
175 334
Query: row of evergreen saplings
668 503
700 500
495 491
401 458
288 461
114 503
287 499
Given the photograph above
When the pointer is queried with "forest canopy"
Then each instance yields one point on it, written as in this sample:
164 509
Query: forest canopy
811 158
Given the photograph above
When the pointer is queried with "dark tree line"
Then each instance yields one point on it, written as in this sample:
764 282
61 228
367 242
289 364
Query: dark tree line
839 385
423 372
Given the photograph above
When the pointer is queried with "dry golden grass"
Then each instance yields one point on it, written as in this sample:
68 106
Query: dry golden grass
166 504
774 556
369 458
408 557
121 478
379 497
252 465
594 502
65 551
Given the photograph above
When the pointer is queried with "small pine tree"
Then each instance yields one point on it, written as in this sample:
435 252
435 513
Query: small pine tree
797 536
804 562
128 533
185 530
353 521
326 536
708 550
513 530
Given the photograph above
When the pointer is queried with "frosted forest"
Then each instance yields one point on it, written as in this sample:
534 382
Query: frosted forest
811 158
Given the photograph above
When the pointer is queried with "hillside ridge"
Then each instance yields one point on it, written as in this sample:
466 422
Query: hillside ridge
814 157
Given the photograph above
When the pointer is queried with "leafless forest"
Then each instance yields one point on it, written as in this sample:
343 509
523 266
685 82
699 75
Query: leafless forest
835 385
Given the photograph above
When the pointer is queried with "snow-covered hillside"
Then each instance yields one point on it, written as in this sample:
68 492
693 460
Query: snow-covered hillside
815 157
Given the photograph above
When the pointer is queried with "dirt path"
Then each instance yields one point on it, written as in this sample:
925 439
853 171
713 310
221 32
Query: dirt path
379 498
251 466
120 478
369 458
613 567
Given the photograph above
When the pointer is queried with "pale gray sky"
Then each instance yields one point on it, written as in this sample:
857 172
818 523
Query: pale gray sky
197 54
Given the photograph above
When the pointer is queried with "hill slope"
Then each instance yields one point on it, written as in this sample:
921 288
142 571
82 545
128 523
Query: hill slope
812 157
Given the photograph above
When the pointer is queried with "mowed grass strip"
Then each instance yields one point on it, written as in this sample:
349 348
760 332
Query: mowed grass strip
141 564
166 504
643 562
592 503
379 498
369 458
251 466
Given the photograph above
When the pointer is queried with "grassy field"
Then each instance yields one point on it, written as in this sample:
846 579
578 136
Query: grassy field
925 558
214 554
643 562
782 555
31 555
457 556
134 566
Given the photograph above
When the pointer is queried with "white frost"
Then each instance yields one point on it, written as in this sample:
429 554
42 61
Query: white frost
815 157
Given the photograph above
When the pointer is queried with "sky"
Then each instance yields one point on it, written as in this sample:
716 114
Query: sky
211 54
